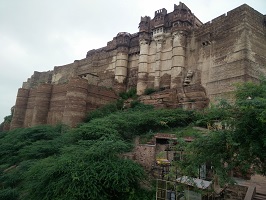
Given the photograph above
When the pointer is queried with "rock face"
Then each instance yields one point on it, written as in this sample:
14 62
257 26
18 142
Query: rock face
191 63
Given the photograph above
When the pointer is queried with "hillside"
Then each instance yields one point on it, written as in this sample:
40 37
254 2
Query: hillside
87 162
55 162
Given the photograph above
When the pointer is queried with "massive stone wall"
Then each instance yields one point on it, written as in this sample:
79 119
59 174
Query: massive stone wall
188 63
226 52
66 103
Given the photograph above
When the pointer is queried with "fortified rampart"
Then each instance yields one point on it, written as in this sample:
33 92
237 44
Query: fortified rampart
65 103
189 63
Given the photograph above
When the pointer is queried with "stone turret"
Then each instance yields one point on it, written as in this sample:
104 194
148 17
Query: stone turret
183 18
20 108
159 17
42 103
75 101
178 58
144 40
144 25
143 66
123 41
30 107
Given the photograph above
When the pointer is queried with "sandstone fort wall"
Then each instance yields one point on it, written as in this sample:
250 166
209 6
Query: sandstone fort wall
188 63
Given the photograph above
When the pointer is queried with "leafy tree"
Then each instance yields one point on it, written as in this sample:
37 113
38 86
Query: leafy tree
241 145
250 124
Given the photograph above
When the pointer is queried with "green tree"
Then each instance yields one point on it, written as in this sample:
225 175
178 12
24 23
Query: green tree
241 145
250 125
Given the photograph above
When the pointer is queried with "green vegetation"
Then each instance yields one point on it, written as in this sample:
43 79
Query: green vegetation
131 93
149 91
240 144
7 120
56 162
47 162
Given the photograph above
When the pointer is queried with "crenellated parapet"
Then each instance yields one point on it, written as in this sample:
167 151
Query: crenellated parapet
159 17
180 19
144 25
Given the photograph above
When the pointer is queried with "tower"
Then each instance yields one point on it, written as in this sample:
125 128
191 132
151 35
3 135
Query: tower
144 40
122 42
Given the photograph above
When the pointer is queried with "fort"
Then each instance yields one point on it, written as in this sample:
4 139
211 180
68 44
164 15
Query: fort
188 63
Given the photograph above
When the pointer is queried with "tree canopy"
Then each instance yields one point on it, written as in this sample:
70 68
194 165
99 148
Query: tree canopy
240 142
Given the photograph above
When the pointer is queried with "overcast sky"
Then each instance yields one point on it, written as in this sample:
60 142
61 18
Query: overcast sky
36 35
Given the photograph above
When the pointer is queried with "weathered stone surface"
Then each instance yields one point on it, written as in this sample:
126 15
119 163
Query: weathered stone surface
65 103
20 108
199 63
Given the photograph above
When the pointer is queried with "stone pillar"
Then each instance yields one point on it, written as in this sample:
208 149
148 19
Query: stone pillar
42 104
143 66
121 68
75 102
178 59
20 108
159 41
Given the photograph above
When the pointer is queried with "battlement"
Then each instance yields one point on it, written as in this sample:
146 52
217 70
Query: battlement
181 6
95 51
145 19
162 11
144 24
180 19
123 34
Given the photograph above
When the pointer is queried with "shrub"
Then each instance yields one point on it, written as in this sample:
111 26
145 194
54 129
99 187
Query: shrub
88 171
131 93
9 194
102 111
149 91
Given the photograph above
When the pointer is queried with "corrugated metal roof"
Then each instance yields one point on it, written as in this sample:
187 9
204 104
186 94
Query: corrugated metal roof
199 183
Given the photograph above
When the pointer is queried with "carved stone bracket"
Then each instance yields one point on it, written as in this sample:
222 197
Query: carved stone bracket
188 77
179 34
159 39
143 42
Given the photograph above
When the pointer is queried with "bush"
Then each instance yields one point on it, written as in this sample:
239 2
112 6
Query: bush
8 118
13 142
88 171
137 105
9 194
102 112
131 93
149 91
